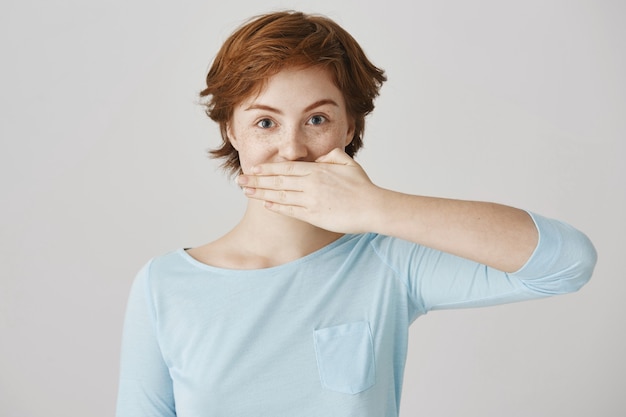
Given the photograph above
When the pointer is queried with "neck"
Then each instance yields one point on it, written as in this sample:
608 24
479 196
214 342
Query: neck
275 237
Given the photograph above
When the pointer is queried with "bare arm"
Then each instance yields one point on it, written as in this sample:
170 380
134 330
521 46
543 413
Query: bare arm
493 234
335 194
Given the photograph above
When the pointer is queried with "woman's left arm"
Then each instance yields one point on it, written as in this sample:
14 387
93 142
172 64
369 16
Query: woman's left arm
496 235
336 194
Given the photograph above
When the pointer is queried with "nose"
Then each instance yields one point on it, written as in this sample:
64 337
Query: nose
293 145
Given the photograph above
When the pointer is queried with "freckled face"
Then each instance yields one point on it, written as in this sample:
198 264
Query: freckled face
300 115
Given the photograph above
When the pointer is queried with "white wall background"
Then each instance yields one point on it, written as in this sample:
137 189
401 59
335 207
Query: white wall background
103 166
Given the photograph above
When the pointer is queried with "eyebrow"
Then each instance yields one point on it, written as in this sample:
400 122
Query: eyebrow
259 106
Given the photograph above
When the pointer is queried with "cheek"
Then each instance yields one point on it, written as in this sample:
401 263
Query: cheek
248 158
252 151
331 138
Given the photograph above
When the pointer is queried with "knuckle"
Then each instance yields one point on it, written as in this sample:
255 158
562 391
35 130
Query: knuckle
252 182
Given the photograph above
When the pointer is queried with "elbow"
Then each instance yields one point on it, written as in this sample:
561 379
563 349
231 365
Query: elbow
582 258
564 264
586 258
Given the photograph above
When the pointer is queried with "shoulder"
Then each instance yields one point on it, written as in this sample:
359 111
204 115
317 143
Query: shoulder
174 258
218 254
389 247
171 266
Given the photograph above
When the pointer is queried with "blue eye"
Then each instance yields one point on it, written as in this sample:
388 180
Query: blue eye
265 123
317 120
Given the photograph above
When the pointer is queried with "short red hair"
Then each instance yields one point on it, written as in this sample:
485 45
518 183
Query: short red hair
268 43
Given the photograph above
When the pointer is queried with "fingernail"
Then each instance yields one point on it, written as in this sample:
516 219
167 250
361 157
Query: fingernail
241 180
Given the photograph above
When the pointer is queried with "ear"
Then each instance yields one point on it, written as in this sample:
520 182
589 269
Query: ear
231 137
349 134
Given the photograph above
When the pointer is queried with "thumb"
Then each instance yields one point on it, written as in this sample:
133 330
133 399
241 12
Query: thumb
336 156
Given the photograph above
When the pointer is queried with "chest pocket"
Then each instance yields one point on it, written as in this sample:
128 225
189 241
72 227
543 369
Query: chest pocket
345 357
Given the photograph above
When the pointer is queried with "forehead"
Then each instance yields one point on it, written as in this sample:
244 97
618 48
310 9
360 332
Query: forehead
297 86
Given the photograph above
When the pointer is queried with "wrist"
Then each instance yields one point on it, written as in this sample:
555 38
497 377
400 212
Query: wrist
377 216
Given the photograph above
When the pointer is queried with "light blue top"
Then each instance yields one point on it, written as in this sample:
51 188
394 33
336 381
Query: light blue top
325 335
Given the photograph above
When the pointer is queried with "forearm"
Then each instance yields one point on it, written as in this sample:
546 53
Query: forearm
335 194
492 234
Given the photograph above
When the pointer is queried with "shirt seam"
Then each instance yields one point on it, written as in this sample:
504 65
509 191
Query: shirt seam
419 306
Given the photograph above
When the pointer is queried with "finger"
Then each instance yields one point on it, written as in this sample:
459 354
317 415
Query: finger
287 210
271 182
275 196
336 156
290 168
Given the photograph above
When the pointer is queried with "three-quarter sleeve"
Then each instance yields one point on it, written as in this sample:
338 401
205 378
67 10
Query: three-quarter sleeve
562 262
145 387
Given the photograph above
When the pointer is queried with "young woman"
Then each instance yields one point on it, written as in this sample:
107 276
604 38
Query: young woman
303 308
